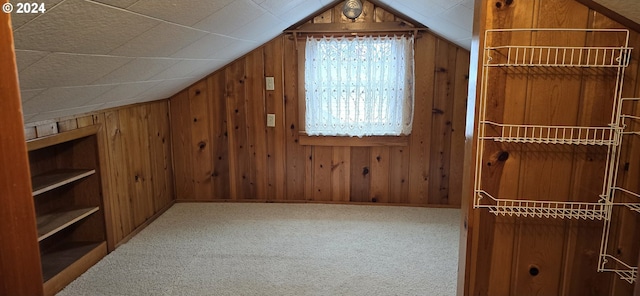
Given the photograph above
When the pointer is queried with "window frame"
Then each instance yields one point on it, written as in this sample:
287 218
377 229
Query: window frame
347 141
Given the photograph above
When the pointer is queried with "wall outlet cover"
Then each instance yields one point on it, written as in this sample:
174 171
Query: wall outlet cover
271 120
270 81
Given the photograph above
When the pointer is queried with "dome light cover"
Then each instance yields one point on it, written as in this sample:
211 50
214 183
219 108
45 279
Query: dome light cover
352 9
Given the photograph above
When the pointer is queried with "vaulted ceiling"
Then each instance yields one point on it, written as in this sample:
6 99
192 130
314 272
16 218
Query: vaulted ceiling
86 55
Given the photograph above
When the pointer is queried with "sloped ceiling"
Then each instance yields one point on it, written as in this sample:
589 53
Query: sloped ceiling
86 55
627 8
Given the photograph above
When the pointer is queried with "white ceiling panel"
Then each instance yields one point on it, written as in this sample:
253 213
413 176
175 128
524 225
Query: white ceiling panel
59 98
167 88
26 58
231 17
108 53
417 9
268 26
126 91
445 27
26 95
432 15
179 70
179 11
468 4
446 4
163 91
205 68
235 50
279 7
118 3
303 8
19 19
77 26
56 70
140 69
204 47
161 41
458 16
627 8
56 113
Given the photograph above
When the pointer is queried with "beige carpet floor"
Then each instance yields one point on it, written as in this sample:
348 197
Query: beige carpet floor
283 249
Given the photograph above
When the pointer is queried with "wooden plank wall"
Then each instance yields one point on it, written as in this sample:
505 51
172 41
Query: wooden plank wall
136 164
530 256
224 151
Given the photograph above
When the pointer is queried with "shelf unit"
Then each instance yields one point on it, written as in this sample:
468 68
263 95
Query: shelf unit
54 179
613 58
69 208
621 197
544 209
546 134
549 61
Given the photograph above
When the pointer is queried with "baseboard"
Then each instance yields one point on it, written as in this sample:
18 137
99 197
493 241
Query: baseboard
320 202
145 224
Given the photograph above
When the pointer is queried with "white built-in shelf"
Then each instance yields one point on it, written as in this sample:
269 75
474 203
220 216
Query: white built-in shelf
631 122
634 205
544 55
553 56
542 209
625 271
55 179
547 134
50 224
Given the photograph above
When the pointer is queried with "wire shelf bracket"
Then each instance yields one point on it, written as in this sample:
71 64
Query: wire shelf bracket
544 134
542 209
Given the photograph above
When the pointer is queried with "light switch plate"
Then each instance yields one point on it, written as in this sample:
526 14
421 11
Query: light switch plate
270 81
271 120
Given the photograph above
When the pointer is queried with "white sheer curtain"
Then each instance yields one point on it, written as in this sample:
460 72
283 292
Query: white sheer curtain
359 86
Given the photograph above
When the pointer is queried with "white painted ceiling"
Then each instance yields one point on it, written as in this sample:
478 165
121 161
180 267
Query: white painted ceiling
86 55
627 8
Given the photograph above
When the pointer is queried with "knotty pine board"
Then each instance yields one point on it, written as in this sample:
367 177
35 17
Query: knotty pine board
441 122
121 217
420 140
547 172
360 175
200 145
180 110
379 171
458 126
256 123
219 135
340 170
276 137
295 158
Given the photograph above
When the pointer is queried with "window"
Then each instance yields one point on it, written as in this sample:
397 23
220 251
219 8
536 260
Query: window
359 86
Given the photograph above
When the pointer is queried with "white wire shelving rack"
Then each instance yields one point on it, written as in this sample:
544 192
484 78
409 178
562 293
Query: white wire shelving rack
626 272
615 57
547 134
552 56
611 59
622 197
544 209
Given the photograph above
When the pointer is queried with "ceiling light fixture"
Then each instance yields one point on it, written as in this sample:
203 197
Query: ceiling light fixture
352 9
